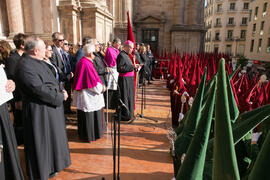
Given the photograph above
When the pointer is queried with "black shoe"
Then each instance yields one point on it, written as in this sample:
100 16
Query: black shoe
149 83
53 175
152 79
131 120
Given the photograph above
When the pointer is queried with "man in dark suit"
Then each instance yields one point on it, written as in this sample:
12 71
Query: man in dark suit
57 58
68 63
16 103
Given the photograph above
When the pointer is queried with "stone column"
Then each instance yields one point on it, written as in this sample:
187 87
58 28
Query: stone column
121 8
28 16
15 17
4 29
69 19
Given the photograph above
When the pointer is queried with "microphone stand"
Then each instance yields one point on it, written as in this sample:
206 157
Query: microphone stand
116 129
143 100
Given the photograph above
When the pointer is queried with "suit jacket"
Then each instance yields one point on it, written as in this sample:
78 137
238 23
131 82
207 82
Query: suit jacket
57 58
11 64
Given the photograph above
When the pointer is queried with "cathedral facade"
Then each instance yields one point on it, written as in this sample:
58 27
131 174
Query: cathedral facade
165 24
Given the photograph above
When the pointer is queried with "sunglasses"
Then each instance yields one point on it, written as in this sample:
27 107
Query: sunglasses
60 40
66 44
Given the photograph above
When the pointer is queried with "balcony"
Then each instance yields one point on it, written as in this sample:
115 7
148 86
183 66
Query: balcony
217 25
216 39
242 39
207 39
243 24
231 10
229 39
219 11
208 26
230 24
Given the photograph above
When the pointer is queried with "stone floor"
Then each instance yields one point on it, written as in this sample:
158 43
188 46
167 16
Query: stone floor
144 152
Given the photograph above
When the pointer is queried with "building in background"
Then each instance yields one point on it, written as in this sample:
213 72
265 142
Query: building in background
165 24
258 39
170 24
226 22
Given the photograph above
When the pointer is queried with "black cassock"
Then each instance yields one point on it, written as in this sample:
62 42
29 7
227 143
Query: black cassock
10 167
100 68
46 146
126 84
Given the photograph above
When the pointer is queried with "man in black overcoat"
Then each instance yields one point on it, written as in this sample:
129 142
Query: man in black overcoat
46 146
126 69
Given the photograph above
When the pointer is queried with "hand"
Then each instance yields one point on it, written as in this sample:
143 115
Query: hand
65 94
104 89
108 70
10 86
136 66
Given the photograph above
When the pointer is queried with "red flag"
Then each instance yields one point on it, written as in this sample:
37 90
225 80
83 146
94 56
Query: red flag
130 37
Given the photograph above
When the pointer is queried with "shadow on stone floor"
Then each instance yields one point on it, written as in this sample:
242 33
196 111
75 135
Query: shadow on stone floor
134 176
138 154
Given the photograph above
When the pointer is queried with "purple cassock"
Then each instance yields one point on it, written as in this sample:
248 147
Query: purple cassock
85 75
110 56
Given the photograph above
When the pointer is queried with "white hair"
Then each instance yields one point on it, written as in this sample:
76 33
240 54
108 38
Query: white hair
88 48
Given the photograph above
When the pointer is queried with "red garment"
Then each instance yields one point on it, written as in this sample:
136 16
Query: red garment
85 75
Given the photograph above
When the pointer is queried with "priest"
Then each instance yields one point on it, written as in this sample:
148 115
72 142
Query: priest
46 147
88 97
126 69
110 63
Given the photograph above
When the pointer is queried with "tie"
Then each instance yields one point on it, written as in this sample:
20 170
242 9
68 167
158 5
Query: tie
65 62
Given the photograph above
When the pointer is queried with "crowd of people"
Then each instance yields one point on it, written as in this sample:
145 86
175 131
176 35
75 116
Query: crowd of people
46 79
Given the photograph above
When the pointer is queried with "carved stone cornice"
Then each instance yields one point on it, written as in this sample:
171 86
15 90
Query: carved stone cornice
69 7
150 20
96 9
191 28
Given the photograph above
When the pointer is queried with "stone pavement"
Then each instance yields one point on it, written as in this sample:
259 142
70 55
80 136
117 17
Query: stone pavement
144 145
